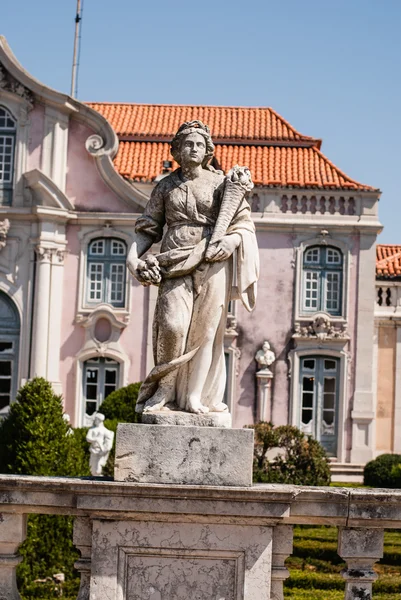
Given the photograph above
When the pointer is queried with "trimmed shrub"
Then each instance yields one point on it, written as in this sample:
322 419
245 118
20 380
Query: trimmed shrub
120 405
34 441
384 471
284 454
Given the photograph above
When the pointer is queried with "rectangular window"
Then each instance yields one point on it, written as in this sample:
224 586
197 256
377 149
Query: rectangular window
311 288
329 406
5 383
308 394
6 158
95 282
117 276
91 390
333 292
110 381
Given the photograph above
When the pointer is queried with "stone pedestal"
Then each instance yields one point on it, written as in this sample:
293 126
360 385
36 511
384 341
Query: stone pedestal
176 561
172 417
171 454
264 378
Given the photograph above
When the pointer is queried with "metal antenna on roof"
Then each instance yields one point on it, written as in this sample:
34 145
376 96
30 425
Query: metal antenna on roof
77 48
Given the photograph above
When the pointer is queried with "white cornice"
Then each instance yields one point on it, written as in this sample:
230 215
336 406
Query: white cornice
46 190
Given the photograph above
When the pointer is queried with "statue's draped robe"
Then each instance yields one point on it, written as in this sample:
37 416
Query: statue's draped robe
193 293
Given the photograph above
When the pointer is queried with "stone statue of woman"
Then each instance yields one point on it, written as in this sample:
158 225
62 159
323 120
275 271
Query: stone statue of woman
206 219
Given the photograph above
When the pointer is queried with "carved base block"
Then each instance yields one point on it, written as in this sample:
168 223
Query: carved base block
177 561
216 419
183 455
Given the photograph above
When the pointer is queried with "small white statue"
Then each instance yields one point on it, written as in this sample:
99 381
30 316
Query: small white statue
265 357
101 442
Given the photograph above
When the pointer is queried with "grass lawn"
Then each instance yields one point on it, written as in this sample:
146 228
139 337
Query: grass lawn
315 566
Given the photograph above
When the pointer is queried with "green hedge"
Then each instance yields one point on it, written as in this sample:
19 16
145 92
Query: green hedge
383 472
299 460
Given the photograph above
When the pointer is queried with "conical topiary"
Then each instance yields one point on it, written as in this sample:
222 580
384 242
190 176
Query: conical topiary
34 440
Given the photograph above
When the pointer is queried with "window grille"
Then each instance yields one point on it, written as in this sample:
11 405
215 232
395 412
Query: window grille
8 129
106 272
322 280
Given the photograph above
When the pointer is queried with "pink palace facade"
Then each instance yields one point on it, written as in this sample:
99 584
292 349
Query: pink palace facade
73 179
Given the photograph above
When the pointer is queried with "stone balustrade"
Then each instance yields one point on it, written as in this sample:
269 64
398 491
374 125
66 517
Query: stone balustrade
241 536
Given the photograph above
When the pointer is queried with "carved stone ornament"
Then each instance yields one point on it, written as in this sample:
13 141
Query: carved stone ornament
46 254
4 227
322 329
231 326
9 84
265 357
94 144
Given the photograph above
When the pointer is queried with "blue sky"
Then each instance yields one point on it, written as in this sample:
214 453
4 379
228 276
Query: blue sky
332 69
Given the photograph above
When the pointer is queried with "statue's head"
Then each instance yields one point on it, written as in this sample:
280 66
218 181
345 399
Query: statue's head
266 346
192 144
98 418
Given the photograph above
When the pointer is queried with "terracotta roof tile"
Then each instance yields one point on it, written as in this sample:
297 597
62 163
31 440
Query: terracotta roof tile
225 122
276 153
388 261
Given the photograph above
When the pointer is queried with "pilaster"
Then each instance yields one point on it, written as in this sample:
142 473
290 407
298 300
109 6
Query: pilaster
397 394
41 312
363 412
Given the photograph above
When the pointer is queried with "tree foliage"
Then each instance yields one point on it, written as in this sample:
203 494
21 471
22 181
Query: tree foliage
34 440
284 454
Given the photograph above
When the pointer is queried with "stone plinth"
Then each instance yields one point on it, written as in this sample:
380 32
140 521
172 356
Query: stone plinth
170 417
183 455
178 561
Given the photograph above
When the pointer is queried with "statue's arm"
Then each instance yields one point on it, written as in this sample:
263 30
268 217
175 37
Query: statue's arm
140 245
148 230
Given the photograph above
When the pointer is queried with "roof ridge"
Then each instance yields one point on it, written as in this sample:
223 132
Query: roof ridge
368 187
253 107
292 127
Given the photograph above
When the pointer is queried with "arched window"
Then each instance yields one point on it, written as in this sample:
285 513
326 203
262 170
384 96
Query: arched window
100 378
319 399
322 280
106 272
8 129
9 342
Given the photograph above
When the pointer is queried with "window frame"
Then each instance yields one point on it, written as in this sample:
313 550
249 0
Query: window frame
108 260
323 268
6 188
319 374
99 364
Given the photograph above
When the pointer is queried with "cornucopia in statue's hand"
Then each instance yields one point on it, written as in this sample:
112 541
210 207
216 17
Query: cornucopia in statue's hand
237 182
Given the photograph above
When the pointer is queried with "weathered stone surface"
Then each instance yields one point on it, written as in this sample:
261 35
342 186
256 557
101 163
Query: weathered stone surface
194 272
183 455
180 561
213 419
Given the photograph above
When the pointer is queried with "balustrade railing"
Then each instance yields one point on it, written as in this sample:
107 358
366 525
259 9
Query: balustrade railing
269 510
323 205
388 297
